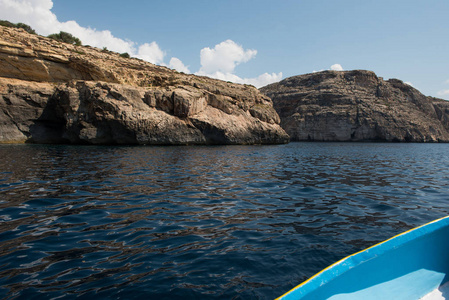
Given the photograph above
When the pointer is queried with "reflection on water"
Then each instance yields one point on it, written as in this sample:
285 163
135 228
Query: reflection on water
203 222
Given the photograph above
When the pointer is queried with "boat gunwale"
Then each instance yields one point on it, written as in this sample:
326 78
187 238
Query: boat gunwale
355 259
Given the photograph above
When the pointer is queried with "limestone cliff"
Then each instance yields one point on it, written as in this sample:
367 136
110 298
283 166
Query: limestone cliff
52 92
357 106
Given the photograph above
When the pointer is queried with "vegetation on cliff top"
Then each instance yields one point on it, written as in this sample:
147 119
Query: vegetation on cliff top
62 36
26 27
65 37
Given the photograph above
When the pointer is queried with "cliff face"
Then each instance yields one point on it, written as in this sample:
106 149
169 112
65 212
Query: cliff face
52 92
357 106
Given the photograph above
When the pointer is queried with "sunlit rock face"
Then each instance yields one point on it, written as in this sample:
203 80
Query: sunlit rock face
52 92
357 106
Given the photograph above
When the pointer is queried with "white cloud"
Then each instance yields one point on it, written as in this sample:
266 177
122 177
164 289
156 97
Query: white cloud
263 79
151 52
337 67
221 61
260 81
443 93
176 63
224 57
37 14
409 83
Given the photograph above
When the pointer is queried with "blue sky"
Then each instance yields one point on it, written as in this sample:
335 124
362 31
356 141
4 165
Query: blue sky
244 40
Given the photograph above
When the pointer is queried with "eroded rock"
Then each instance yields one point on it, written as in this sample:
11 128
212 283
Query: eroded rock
357 106
51 92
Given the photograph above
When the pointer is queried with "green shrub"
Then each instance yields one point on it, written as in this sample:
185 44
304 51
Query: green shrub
26 27
7 23
65 37
125 55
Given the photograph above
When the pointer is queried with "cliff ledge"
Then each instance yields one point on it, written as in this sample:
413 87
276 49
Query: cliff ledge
357 106
52 92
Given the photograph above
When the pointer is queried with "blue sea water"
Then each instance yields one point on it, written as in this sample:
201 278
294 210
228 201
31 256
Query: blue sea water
221 222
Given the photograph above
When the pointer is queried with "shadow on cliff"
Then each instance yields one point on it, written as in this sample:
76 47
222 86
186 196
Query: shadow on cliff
49 127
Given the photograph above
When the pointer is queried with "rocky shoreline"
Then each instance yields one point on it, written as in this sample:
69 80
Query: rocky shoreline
53 92
357 106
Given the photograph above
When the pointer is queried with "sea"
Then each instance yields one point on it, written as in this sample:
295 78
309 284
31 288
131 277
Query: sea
203 222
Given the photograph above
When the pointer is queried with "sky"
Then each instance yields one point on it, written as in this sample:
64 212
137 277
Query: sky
259 41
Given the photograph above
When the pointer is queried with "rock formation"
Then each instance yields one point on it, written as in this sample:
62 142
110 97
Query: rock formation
357 106
52 92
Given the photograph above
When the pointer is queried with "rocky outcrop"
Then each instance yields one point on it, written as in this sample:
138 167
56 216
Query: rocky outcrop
357 106
51 92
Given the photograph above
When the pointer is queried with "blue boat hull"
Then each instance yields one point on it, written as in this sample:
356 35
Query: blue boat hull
407 266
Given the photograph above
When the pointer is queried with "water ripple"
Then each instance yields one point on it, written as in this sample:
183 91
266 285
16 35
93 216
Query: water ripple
228 222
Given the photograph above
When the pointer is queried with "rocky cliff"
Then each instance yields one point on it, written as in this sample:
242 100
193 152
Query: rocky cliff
52 92
357 106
